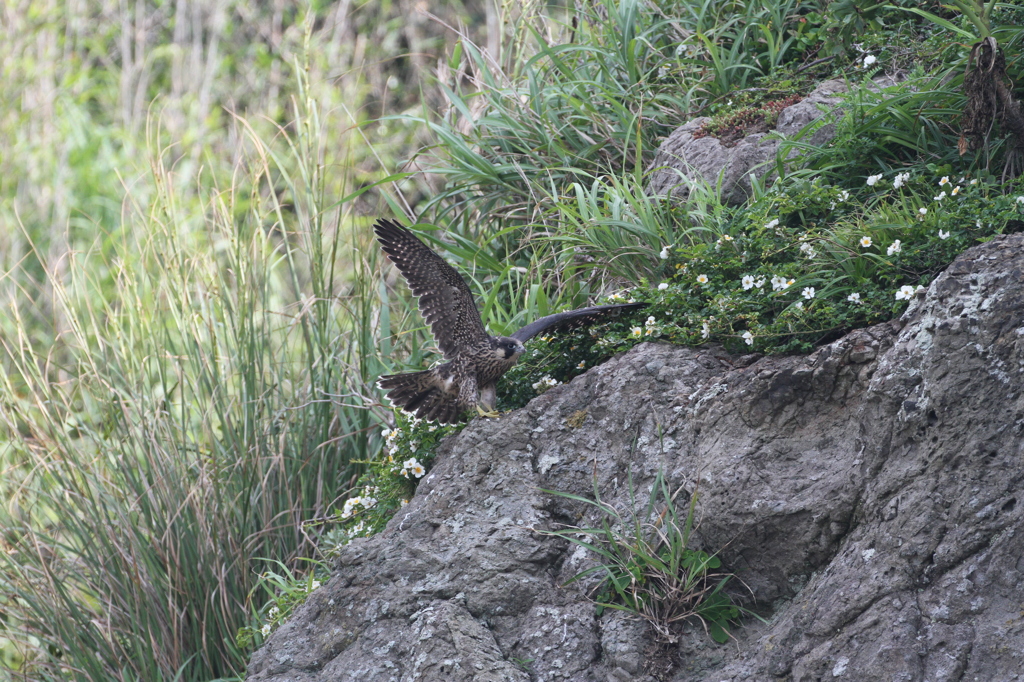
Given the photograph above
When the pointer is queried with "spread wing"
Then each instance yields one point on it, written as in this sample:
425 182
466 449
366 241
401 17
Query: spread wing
446 302
572 318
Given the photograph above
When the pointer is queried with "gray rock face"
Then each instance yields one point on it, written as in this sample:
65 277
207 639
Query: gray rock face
868 494
681 156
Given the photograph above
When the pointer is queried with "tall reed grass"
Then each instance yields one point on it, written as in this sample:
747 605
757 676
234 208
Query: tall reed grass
175 438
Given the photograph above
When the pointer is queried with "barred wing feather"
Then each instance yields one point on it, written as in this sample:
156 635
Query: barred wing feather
445 300
572 318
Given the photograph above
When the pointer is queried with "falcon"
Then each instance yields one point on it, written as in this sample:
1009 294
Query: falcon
475 359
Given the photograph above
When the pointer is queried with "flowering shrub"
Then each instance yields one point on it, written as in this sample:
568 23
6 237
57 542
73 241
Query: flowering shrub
388 484
285 591
835 260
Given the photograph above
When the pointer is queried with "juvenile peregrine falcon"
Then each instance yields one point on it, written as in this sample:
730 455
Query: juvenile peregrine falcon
475 358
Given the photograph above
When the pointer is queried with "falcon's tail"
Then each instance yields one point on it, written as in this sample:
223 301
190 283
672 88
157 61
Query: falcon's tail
421 393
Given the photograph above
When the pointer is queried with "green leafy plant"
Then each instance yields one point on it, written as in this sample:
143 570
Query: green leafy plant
842 22
647 566
279 592
389 482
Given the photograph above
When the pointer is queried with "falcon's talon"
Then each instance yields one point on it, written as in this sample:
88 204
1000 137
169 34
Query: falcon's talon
493 414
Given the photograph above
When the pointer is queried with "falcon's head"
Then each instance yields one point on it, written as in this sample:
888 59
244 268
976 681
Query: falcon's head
506 348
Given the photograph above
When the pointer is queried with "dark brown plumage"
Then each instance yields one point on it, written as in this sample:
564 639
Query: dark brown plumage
475 358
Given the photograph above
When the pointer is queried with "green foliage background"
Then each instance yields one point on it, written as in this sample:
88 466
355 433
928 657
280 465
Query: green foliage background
192 310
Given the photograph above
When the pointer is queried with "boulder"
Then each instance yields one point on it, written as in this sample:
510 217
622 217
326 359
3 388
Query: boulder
682 157
868 495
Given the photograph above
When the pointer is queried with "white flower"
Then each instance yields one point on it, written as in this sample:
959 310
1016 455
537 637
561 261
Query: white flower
265 630
367 502
808 250
314 585
771 223
651 321
385 433
664 253
780 283
273 612
582 365
702 279
350 507
895 247
974 181
872 179
748 282
944 180
403 503
799 305
900 180
865 242
705 331
869 60
844 195
1020 200
854 298
749 338
547 382
905 293
943 235
808 292
942 195
977 224
923 211
956 190
636 331
663 286
759 283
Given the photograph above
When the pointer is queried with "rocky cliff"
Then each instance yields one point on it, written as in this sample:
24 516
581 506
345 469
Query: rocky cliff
867 494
